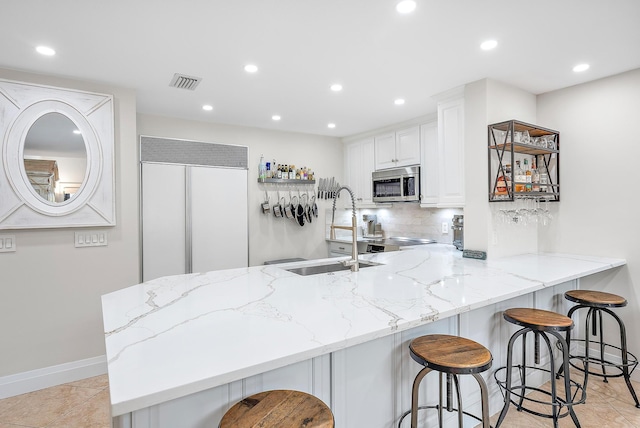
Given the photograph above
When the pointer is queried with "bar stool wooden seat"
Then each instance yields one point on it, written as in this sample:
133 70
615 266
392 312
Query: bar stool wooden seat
450 356
543 324
279 408
598 302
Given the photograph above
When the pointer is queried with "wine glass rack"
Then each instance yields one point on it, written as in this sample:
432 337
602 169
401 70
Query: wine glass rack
513 141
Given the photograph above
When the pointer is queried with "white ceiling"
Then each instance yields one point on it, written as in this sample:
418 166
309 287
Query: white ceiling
303 46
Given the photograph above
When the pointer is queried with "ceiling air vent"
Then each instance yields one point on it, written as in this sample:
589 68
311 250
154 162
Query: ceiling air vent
182 81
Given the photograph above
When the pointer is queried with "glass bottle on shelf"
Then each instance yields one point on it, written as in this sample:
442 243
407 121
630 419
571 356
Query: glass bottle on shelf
527 173
535 177
520 178
544 178
262 169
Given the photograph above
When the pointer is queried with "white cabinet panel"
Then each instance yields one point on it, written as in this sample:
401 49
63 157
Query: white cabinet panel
400 148
359 164
219 218
194 219
430 164
163 226
385 151
364 384
451 153
408 146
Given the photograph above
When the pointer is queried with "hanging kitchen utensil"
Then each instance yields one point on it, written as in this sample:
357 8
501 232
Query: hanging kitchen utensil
300 210
278 211
309 209
314 207
290 208
266 207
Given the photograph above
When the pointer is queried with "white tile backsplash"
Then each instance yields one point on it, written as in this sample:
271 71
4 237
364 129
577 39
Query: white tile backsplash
401 219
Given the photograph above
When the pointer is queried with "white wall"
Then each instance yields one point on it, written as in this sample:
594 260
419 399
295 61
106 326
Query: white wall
270 238
50 310
488 101
598 210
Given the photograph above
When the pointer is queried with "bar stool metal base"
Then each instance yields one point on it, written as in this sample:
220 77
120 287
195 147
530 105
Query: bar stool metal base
543 324
450 356
629 361
448 407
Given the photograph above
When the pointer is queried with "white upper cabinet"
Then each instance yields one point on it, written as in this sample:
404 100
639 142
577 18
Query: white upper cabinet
400 148
429 171
442 142
451 152
359 164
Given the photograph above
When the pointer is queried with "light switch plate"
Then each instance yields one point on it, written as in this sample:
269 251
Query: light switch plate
90 238
7 243
445 227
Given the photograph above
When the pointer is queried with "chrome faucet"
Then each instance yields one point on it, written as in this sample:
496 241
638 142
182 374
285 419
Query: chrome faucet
355 267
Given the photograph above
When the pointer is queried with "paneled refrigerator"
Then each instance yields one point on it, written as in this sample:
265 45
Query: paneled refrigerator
193 206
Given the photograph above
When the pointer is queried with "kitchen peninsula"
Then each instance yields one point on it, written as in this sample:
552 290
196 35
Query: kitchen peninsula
182 349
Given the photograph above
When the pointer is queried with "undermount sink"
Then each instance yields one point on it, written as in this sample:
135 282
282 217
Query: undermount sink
400 241
327 268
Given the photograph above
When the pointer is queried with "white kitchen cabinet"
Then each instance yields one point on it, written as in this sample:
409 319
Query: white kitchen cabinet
442 143
359 164
429 171
451 152
339 249
400 148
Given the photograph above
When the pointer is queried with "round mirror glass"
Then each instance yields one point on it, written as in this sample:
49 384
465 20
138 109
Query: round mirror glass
55 157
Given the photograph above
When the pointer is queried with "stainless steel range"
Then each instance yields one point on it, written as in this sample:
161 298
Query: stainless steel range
376 245
392 244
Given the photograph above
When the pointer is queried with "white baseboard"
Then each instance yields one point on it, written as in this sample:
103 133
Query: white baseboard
21 383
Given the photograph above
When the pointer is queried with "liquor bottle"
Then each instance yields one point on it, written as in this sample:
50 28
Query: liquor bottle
535 177
544 178
279 171
501 186
527 172
262 169
508 177
520 178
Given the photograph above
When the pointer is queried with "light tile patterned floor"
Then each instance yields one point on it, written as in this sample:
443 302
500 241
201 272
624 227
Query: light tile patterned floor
81 404
609 405
85 404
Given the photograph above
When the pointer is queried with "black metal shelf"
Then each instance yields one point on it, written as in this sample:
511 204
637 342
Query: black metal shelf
286 181
513 140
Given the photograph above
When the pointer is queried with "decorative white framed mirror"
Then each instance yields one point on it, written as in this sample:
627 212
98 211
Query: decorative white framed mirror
57 166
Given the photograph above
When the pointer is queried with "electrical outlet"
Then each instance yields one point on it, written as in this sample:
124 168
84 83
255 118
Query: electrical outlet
445 227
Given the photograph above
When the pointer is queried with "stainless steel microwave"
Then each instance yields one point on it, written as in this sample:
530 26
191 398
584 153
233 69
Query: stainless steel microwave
396 185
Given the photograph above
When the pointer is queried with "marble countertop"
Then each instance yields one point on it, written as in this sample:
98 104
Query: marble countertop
178 335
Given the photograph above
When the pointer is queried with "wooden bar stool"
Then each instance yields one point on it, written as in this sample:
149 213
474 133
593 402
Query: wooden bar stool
598 302
543 324
450 356
279 408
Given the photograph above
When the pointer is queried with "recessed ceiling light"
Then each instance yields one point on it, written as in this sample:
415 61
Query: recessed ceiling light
488 45
44 50
331 125
336 87
581 67
77 131
399 102
276 117
207 107
406 6
250 68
